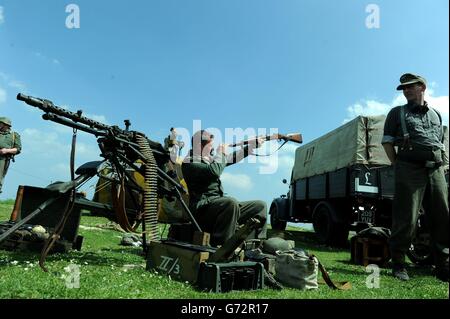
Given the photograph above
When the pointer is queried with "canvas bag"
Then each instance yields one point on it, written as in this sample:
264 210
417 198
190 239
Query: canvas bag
296 269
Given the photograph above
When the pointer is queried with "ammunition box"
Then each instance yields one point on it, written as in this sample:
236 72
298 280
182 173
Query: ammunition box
224 277
181 262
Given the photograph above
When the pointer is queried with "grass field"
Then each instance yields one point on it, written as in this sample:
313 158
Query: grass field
109 270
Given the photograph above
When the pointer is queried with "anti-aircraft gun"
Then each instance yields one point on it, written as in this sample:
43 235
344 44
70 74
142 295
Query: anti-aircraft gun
125 153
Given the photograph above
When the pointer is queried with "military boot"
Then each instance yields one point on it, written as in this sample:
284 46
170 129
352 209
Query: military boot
399 266
399 272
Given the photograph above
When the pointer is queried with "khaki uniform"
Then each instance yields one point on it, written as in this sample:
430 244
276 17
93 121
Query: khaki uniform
419 179
8 139
215 212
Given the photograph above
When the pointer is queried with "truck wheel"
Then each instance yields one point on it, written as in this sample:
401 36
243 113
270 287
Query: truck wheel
275 222
328 231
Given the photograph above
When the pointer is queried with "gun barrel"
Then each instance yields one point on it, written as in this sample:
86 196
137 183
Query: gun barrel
48 107
78 126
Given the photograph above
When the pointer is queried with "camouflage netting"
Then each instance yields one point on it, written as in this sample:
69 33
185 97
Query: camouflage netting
356 142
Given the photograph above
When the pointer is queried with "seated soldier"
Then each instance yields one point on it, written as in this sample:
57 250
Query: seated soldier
216 213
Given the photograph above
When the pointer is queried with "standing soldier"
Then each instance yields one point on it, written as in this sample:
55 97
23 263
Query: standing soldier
9 147
416 128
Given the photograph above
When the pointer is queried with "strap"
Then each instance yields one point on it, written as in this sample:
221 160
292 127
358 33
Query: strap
440 121
255 154
345 285
72 154
404 129
58 230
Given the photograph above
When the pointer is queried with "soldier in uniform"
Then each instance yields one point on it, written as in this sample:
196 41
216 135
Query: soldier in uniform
215 212
173 145
416 128
9 147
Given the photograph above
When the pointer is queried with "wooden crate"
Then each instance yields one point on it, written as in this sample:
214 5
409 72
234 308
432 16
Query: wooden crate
180 262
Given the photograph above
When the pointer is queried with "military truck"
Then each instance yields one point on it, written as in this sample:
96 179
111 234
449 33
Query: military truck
341 181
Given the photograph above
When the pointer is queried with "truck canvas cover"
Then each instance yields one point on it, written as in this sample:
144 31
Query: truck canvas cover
355 142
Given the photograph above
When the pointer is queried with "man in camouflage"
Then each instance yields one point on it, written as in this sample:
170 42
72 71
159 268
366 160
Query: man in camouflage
416 129
215 212
9 147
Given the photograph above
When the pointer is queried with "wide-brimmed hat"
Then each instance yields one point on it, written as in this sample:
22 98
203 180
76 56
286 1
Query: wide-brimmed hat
5 120
409 78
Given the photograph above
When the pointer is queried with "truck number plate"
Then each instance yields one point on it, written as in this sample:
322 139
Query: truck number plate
366 217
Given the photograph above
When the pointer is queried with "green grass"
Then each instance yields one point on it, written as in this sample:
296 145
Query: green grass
112 271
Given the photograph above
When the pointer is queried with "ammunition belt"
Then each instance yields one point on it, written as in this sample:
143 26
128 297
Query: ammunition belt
150 200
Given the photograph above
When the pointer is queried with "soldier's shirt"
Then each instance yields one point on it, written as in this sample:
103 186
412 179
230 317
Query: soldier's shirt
202 176
10 139
424 126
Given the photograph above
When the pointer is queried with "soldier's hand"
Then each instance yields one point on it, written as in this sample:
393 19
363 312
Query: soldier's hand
222 149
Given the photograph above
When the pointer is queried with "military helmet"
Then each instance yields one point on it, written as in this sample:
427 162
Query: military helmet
5 120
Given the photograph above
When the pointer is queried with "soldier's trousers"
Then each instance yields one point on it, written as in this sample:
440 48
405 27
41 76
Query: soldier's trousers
2 172
222 216
417 186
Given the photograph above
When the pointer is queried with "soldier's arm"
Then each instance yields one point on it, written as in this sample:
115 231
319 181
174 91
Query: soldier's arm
390 152
8 151
208 170
17 143
390 133
237 156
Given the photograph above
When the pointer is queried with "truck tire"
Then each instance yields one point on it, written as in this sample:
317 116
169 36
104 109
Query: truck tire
275 222
328 230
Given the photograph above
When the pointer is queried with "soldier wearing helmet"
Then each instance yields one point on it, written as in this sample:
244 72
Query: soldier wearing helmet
10 146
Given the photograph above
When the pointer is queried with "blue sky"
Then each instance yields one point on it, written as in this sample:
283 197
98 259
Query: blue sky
295 65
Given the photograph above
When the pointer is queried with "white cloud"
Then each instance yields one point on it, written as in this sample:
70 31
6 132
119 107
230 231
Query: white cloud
282 159
2 96
9 82
373 107
368 107
2 15
49 146
236 181
18 85
45 58
98 118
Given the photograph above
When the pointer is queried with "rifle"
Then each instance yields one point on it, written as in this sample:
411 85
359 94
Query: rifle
124 150
294 137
